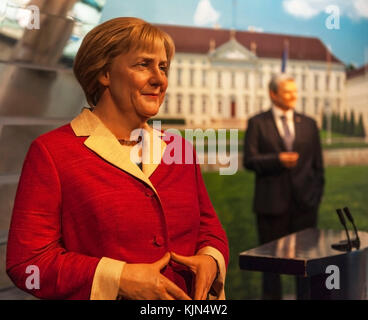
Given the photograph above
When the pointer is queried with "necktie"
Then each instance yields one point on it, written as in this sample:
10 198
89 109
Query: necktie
288 139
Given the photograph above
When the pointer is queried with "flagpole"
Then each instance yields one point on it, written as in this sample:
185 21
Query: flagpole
234 14
285 56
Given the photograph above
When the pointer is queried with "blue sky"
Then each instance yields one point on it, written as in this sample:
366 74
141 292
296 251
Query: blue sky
300 17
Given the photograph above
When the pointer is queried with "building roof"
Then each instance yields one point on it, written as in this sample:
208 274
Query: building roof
357 72
268 45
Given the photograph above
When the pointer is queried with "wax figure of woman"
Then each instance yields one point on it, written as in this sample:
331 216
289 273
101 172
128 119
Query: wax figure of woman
92 222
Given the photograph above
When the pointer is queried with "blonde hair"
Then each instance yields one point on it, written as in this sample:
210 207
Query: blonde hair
110 39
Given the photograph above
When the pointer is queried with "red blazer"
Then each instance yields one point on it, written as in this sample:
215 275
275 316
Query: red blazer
74 206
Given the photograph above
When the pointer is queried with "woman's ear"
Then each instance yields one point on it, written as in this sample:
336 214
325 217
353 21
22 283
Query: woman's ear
104 79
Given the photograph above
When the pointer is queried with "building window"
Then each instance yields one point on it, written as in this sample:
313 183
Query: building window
219 79
179 75
191 104
316 106
232 80
179 101
304 104
338 83
233 107
204 78
246 105
204 104
316 82
338 105
327 82
166 104
326 104
191 77
219 105
304 82
246 80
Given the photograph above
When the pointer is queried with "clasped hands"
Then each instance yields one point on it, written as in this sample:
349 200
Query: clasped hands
143 281
289 159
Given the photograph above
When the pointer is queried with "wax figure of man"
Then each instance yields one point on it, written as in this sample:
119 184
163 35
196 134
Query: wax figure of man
283 148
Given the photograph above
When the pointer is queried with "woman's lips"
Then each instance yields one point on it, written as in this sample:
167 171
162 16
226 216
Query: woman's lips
151 95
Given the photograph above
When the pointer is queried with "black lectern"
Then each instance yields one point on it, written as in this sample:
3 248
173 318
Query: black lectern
308 254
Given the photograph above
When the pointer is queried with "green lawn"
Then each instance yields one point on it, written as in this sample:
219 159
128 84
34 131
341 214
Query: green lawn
232 199
344 145
323 135
339 143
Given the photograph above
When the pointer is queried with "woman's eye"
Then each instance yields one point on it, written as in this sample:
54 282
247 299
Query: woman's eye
165 69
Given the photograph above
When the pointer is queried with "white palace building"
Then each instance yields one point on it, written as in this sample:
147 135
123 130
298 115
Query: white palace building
219 78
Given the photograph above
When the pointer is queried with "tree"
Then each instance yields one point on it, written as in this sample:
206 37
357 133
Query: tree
351 130
345 124
338 123
333 122
324 121
350 67
360 132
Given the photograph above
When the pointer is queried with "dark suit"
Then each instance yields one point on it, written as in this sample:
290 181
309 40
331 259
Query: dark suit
285 200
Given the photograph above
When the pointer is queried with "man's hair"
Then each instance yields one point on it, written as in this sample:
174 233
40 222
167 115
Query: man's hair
276 79
110 39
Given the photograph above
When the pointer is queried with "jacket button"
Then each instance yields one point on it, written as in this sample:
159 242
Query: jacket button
158 241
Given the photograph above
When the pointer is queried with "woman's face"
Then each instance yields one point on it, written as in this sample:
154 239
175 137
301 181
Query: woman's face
137 82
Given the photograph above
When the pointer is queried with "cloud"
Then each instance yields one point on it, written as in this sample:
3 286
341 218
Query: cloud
307 9
361 6
300 8
205 14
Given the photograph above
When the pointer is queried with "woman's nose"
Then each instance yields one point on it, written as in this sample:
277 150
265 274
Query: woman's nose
158 77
